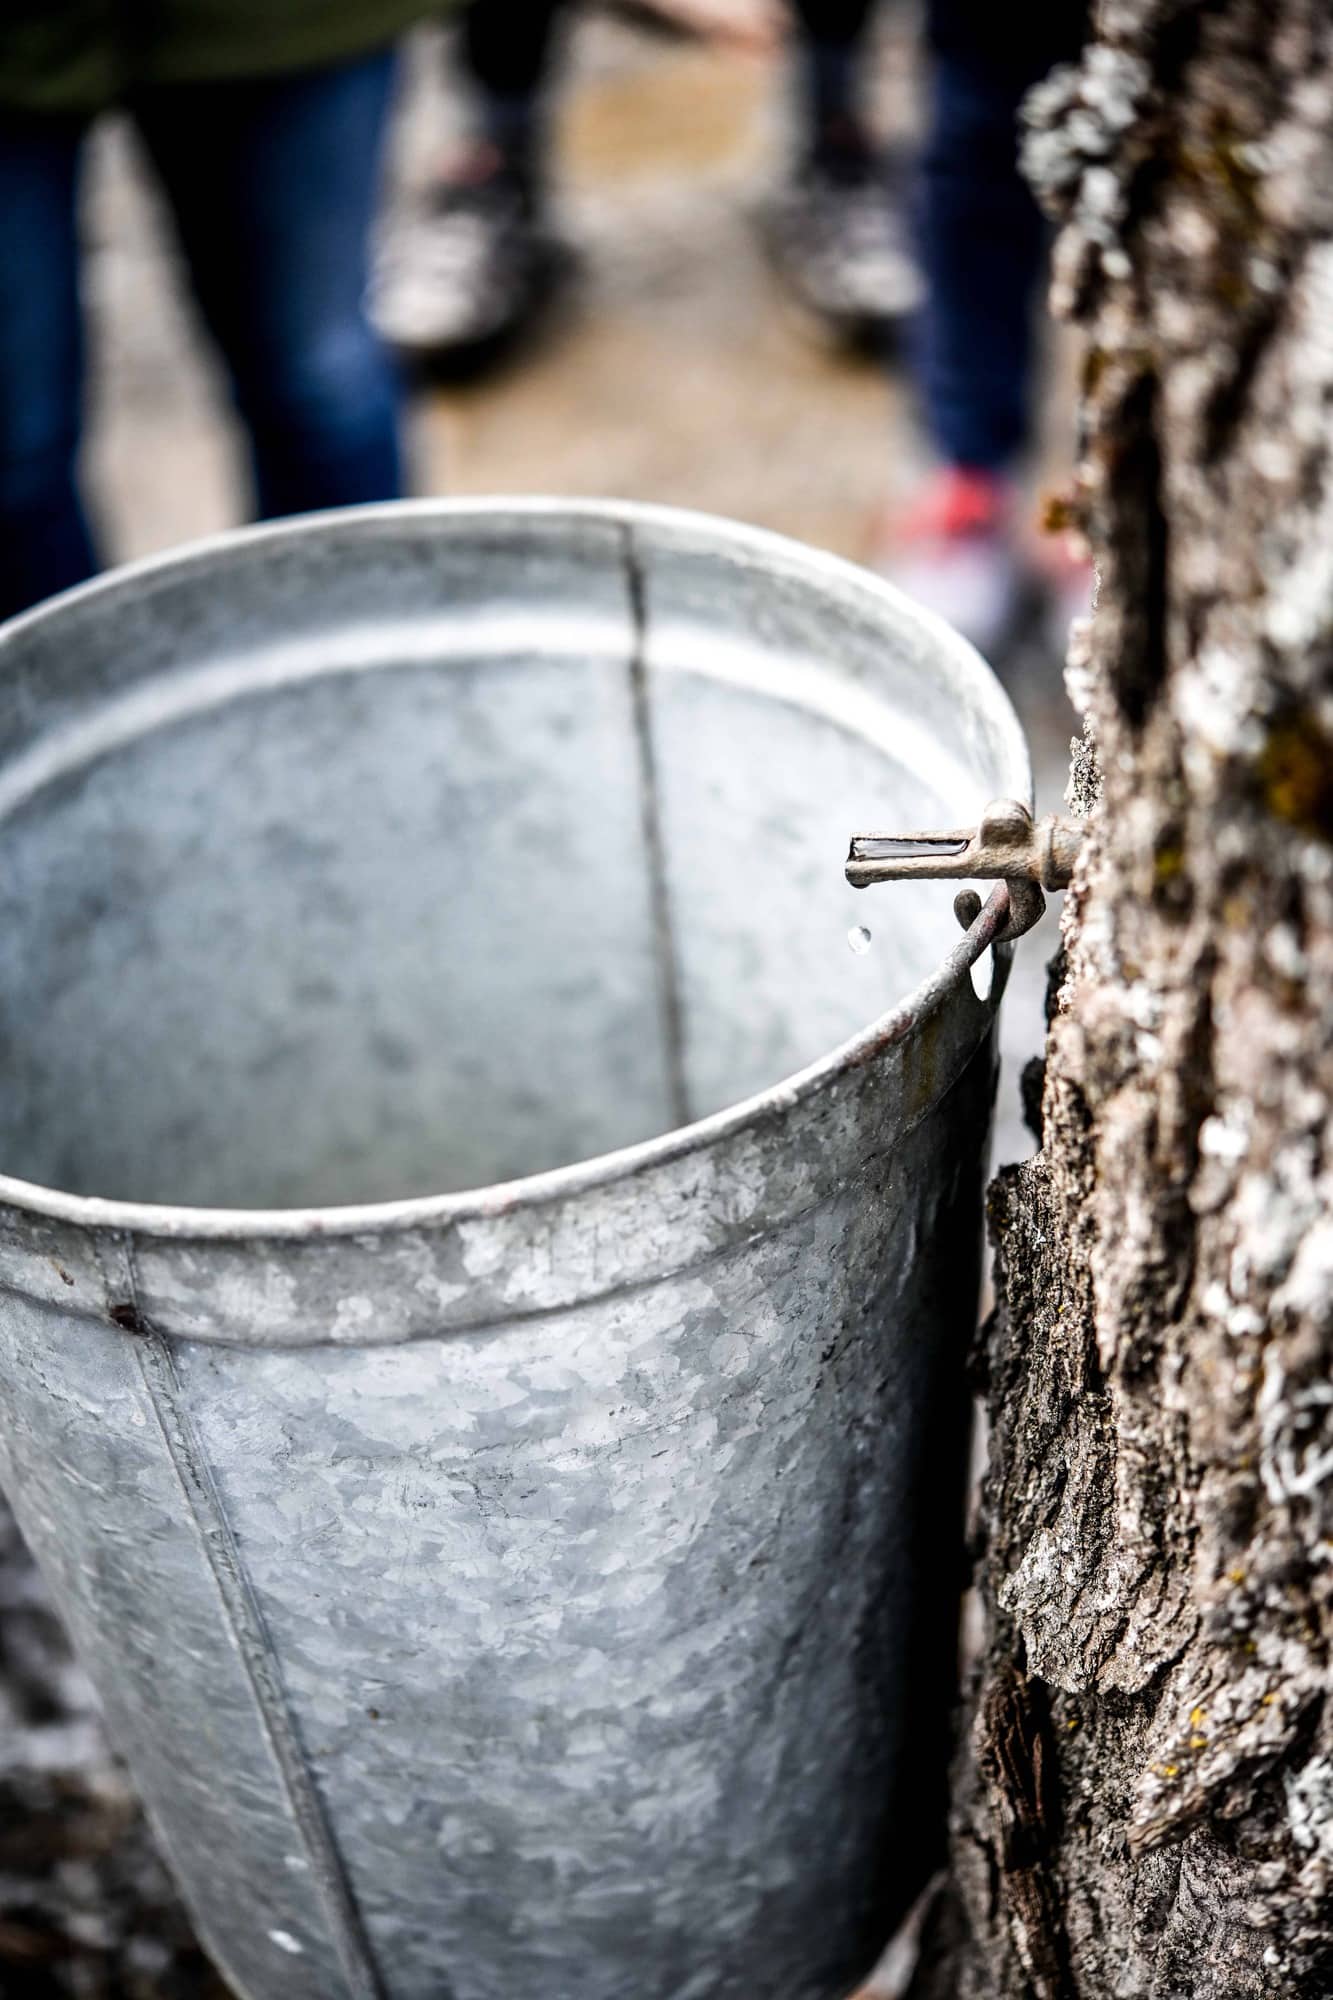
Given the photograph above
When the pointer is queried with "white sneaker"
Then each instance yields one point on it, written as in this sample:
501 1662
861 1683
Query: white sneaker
469 270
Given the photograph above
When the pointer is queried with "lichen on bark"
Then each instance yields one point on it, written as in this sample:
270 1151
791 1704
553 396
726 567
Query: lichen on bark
1144 1791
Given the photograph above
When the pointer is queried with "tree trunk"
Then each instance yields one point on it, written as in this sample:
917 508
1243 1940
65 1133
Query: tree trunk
1144 1799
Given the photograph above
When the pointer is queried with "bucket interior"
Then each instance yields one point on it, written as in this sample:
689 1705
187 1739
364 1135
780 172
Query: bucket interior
318 908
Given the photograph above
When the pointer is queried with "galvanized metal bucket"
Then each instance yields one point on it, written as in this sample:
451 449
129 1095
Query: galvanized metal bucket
484 1266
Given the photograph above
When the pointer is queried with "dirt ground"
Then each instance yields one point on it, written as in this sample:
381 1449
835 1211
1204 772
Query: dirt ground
677 372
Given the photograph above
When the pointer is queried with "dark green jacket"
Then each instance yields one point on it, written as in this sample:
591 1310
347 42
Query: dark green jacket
80 56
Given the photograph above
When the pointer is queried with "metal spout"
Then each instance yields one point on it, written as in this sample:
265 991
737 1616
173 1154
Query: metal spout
1008 846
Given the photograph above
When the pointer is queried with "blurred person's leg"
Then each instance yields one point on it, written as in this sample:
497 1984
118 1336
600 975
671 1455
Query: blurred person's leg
831 40
44 540
475 263
274 185
838 233
506 54
983 248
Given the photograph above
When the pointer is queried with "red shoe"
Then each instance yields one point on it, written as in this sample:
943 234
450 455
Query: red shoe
953 548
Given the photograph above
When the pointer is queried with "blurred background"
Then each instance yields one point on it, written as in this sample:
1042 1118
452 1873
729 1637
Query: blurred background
673 356
670 344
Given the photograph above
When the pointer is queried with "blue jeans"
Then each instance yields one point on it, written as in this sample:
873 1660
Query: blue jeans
983 241
272 184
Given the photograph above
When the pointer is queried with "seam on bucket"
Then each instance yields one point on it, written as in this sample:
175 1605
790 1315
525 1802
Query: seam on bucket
669 1000
157 1366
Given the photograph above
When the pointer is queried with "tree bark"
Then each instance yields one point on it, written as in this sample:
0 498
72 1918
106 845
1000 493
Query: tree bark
1144 1794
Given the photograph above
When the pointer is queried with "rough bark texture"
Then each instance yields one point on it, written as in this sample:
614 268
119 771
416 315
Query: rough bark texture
1144 1802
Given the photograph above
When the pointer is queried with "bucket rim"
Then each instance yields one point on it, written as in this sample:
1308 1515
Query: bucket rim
184 1222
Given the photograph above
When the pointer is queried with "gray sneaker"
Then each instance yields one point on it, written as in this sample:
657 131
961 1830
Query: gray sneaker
838 240
463 276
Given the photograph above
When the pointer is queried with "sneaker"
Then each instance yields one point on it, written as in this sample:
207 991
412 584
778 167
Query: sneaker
471 270
954 549
838 239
